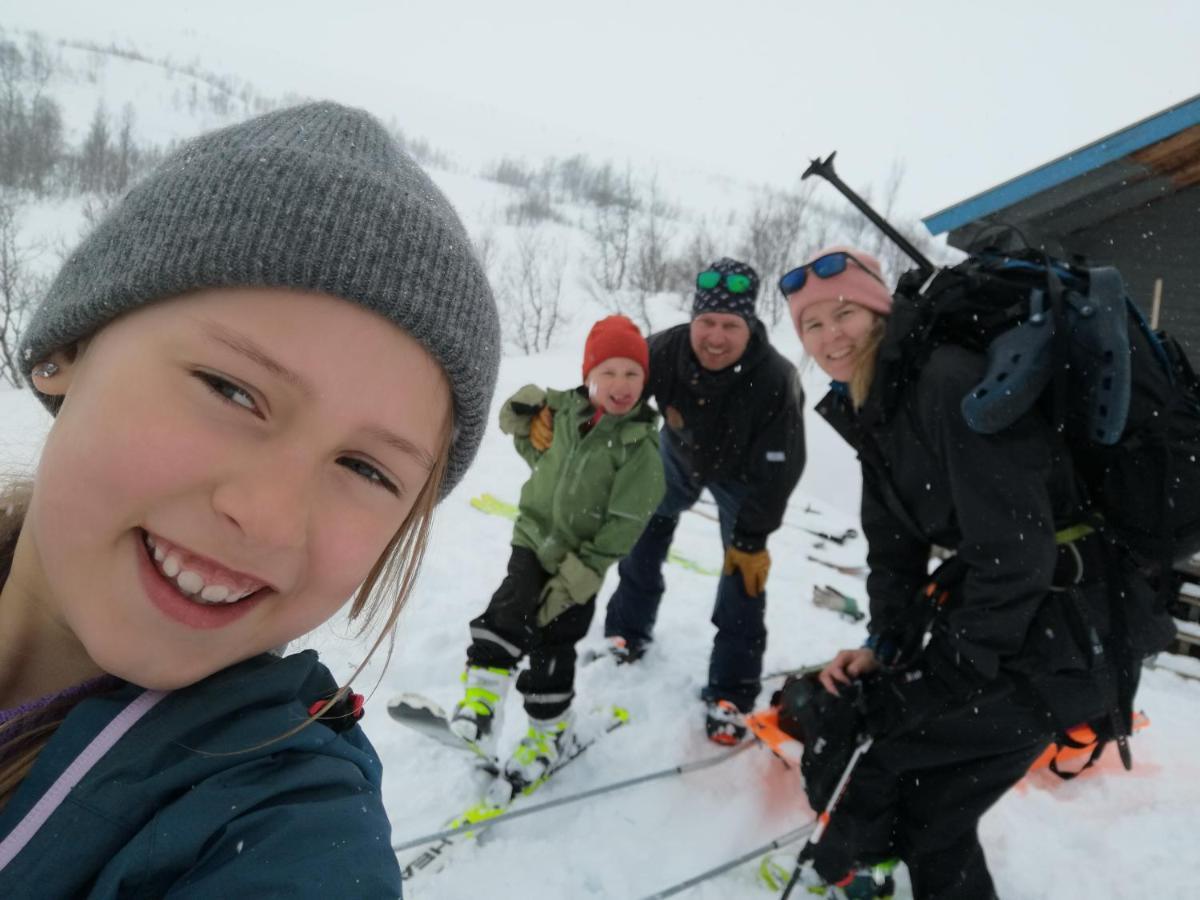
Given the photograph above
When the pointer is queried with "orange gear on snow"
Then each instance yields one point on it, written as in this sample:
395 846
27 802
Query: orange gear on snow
764 725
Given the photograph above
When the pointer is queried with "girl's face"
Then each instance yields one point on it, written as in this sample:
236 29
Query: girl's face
226 468
615 385
833 333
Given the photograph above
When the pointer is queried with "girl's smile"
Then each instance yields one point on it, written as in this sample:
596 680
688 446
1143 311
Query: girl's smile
181 595
198 578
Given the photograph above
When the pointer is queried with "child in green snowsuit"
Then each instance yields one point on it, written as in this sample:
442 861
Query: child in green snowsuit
597 478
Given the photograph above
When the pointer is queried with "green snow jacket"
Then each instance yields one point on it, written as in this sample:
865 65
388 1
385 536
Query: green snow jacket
589 495
173 809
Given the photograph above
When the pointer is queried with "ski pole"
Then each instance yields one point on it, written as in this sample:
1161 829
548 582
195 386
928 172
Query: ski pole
856 571
781 841
848 535
824 168
682 769
800 672
823 818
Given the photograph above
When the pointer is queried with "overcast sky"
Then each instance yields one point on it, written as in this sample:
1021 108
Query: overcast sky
964 94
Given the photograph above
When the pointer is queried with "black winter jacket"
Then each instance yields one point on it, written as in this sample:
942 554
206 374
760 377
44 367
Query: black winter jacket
744 423
994 499
997 500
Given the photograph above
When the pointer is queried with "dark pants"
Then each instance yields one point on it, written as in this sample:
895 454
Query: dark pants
920 795
736 662
508 630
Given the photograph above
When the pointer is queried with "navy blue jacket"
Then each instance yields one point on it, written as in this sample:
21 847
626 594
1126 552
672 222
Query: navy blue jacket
188 805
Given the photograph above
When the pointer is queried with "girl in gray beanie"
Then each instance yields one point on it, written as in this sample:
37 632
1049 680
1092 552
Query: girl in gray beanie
267 365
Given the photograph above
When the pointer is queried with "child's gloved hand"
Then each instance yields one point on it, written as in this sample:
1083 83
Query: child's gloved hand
541 429
753 566
573 585
518 411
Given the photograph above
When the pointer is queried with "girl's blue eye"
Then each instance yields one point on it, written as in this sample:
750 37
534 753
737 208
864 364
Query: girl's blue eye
370 473
229 392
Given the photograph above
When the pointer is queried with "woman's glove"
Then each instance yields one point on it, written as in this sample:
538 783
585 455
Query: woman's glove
753 566
541 429
573 585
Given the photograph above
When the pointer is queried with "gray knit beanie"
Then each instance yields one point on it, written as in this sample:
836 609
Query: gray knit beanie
317 197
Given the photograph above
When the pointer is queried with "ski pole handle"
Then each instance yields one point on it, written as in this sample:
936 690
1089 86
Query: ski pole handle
824 168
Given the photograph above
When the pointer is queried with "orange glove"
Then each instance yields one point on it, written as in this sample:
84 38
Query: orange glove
541 429
753 566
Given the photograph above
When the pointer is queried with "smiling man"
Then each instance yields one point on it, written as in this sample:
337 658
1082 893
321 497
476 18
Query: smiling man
734 425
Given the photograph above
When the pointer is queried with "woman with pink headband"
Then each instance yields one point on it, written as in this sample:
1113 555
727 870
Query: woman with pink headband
958 702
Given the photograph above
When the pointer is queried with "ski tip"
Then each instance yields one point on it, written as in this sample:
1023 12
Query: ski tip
620 714
403 703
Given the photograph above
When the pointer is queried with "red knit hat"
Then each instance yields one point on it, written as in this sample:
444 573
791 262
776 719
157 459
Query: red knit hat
615 336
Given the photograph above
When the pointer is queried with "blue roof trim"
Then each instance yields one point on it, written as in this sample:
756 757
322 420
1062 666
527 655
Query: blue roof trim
1107 149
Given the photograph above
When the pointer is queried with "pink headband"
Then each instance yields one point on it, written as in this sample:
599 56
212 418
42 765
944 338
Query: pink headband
853 285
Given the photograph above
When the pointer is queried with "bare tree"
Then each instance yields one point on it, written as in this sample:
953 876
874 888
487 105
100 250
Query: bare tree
124 155
610 230
95 156
30 122
651 264
485 250
19 285
699 252
530 290
772 242
532 207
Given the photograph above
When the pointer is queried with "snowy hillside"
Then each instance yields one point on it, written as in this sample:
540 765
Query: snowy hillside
1109 834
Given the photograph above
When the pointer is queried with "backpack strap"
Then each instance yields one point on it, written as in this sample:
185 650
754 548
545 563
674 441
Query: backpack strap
1061 343
102 743
1065 741
1102 332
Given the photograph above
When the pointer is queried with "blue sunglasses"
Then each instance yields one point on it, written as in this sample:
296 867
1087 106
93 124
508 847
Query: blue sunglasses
826 266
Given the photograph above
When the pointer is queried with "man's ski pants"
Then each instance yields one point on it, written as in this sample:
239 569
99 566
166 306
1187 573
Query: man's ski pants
736 662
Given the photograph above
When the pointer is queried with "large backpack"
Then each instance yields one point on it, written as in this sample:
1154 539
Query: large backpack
1068 339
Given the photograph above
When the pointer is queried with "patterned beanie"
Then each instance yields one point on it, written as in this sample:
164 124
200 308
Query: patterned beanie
615 336
317 197
720 299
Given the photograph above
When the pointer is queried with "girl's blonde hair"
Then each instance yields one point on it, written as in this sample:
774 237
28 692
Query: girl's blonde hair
14 501
864 363
393 574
